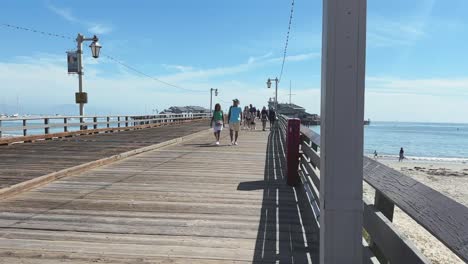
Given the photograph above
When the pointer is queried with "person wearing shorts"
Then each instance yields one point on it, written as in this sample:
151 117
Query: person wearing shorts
234 120
217 122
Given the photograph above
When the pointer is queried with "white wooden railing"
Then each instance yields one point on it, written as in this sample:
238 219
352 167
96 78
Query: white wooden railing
27 128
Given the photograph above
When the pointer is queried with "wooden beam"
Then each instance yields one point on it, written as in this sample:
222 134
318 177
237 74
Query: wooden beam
342 111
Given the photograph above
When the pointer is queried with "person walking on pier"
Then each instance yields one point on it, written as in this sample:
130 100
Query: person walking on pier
272 117
264 117
218 120
246 117
402 155
234 120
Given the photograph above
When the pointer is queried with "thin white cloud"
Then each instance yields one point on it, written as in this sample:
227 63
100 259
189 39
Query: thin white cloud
92 27
456 86
385 32
187 72
65 13
180 68
99 29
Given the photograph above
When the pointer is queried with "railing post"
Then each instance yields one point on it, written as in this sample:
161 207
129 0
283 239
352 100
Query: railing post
25 130
0 128
118 121
292 150
342 131
46 128
65 126
81 123
386 207
95 121
108 122
126 121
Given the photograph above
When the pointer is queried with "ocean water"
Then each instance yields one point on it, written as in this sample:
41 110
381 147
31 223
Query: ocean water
425 141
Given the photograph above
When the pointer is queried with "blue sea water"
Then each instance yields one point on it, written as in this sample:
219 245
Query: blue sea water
419 140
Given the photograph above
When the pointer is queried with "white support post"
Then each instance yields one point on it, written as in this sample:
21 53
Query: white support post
342 129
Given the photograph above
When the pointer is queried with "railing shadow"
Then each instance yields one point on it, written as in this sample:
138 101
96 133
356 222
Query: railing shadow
286 233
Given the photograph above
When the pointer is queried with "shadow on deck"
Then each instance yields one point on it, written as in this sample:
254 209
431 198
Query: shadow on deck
287 233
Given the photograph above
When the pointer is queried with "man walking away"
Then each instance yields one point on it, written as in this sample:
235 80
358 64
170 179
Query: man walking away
264 117
402 155
234 120
272 117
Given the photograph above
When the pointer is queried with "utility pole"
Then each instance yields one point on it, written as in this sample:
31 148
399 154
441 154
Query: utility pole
211 98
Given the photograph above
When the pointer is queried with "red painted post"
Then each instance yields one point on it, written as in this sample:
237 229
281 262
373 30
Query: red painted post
292 150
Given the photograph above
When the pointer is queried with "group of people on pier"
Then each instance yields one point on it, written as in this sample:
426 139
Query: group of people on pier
237 117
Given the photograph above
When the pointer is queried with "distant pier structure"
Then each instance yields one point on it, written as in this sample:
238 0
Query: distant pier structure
296 111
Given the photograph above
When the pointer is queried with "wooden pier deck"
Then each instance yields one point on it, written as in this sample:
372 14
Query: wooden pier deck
188 203
23 162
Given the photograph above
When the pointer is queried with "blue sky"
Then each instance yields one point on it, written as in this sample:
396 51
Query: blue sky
417 60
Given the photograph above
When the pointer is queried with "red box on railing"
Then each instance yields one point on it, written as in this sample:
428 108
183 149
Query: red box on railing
292 150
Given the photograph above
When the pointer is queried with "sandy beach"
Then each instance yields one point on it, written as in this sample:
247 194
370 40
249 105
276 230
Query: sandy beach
447 177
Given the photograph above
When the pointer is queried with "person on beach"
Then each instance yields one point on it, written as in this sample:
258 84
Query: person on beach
234 119
375 154
218 120
246 117
272 117
402 155
264 117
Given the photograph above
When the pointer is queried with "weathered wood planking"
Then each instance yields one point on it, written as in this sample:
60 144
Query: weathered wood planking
22 162
189 203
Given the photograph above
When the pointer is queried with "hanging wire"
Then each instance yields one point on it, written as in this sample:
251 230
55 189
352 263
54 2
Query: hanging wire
287 40
107 56
149 76
37 31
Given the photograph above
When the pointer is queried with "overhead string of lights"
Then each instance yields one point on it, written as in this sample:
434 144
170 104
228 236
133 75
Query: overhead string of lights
287 40
107 56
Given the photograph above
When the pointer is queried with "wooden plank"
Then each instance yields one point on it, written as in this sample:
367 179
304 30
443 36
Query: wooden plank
394 247
22 162
311 154
311 172
443 217
311 135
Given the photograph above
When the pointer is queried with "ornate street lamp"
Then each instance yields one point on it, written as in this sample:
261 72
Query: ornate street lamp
276 90
82 97
95 47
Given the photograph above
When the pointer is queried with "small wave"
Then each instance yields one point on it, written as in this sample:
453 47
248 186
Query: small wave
438 159
9 135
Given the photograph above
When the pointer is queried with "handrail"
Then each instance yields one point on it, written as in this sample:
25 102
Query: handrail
94 116
21 128
443 217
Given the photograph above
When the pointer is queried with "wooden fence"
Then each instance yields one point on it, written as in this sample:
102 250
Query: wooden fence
46 127
444 218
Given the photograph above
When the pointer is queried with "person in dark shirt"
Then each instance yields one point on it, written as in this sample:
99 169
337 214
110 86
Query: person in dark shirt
272 117
402 155
264 117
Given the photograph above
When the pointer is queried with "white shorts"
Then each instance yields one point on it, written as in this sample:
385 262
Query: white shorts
217 128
